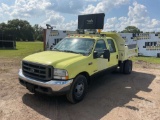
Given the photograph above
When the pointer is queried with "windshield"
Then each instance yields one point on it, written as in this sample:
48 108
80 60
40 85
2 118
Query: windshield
75 45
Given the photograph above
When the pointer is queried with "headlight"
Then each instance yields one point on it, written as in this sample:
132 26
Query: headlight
60 74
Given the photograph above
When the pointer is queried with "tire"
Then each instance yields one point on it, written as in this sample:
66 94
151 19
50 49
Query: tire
127 68
121 67
78 89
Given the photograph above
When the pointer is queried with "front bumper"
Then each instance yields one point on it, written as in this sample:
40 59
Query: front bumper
48 87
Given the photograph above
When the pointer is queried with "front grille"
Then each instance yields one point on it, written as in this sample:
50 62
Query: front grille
37 71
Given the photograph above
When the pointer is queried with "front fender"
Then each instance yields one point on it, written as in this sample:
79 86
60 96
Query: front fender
79 67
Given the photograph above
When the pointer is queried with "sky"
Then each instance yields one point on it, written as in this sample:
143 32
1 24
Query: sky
63 14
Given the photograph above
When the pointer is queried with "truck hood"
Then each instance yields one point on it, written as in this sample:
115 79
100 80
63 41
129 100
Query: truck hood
53 57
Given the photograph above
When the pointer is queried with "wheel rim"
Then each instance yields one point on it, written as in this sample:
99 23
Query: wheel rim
79 89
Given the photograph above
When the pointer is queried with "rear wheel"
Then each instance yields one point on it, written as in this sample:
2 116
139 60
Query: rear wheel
127 68
78 89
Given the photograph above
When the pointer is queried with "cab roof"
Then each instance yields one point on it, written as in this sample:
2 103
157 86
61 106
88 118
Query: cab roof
91 36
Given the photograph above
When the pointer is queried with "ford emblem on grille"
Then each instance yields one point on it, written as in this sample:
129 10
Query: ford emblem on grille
32 70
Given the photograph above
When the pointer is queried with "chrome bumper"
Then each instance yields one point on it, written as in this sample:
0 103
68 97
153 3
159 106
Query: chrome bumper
54 85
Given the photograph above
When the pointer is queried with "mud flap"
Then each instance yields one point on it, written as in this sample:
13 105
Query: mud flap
121 67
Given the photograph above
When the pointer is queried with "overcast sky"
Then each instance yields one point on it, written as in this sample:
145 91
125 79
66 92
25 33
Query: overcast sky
63 14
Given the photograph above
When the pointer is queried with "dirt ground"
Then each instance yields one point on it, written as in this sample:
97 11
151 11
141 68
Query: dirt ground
110 97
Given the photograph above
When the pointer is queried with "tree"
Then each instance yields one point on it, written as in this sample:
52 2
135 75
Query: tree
38 32
20 29
131 29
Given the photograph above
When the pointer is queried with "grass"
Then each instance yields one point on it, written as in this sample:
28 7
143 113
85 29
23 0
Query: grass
147 59
27 48
22 49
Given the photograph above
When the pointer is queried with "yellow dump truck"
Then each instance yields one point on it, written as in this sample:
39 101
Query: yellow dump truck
68 68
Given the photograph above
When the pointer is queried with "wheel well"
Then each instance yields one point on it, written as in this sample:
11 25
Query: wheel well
87 76
119 63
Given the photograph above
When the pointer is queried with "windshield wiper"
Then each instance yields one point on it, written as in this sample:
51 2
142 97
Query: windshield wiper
55 49
70 51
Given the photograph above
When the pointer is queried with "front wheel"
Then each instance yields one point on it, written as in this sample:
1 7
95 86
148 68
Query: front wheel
78 89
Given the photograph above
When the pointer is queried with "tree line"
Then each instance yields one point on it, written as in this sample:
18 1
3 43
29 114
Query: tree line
21 30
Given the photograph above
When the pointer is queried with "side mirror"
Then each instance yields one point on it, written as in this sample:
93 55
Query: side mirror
95 54
106 54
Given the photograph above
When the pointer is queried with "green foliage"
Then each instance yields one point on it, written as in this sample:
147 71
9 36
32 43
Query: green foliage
38 32
131 29
147 59
23 49
19 29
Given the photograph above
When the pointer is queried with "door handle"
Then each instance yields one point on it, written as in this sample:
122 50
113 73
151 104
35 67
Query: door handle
117 56
90 63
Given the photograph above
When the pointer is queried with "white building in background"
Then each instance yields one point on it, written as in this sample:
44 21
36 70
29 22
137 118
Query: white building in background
148 43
